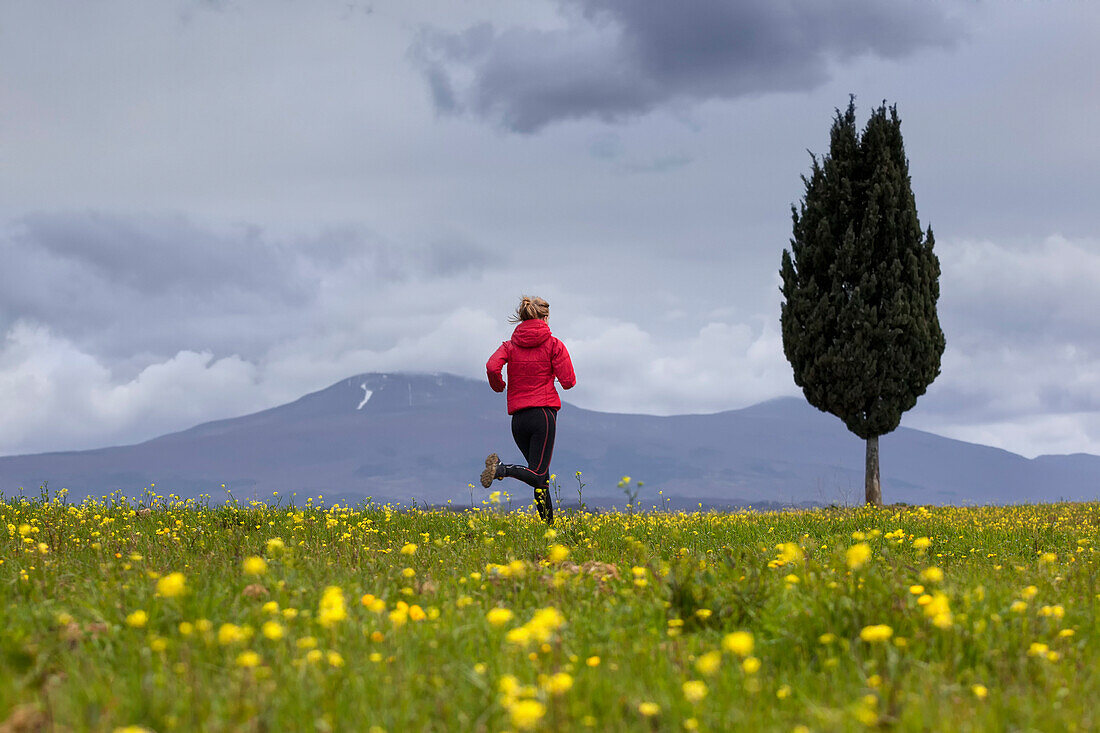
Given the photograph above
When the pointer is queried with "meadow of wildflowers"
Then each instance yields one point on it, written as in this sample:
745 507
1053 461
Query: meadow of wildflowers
160 614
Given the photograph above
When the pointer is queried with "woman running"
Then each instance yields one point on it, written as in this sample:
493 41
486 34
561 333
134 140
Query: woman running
534 358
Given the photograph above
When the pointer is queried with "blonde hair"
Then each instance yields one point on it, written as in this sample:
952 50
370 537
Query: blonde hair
530 308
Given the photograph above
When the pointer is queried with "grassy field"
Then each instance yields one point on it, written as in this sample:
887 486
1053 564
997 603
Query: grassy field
167 615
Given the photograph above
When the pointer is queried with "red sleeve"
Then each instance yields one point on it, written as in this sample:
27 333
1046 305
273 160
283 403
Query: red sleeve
495 365
563 367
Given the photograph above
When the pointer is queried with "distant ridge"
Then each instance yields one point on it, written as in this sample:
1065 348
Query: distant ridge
423 437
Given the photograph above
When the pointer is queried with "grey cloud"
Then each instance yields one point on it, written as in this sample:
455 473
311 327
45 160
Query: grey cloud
125 286
456 256
1020 321
1038 295
606 146
618 58
150 256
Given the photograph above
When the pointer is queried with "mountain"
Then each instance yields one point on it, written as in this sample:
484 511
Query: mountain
418 437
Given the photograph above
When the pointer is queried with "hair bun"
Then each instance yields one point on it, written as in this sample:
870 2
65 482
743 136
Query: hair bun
530 308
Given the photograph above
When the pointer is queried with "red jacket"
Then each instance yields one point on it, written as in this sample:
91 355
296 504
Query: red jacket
534 357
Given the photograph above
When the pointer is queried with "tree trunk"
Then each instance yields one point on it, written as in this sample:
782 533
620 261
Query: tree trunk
874 488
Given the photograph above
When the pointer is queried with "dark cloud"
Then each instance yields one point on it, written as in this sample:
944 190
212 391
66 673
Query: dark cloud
151 256
618 58
124 285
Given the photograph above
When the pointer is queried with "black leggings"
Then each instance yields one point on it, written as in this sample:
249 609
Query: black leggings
533 430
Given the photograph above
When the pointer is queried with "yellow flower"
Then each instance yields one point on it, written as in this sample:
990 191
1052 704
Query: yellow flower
334 659
739 642
876 633
857 555
254 565
649 709
1029 592
708 663
557 553
916 589
694 690
542 625
499 616
751 665
789 552
520 636
270 607
559 683
936 604
331 608
409 549
783 692
137 619
274 545
416 613
508 685
932 575
171 585
186 628
273 630
248 659
230 634
867 716
1037 649
526 714
922 543
1018 606
593 661
980 691
306 642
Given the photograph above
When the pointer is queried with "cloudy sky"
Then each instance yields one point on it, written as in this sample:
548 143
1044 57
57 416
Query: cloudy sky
209 207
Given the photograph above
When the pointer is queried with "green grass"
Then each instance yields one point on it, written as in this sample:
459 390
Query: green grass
647 602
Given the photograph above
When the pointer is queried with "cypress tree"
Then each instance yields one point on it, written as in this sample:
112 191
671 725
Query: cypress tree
860 285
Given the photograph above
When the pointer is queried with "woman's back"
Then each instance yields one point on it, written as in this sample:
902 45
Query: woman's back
534 358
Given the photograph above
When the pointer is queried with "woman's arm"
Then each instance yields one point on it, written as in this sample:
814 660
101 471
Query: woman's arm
494 366
563 366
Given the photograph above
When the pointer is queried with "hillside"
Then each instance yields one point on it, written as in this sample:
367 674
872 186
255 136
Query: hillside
423 437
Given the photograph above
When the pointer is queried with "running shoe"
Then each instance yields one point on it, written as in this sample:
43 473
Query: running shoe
490 471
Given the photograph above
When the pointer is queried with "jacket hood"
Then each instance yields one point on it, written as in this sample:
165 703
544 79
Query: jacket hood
531 333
